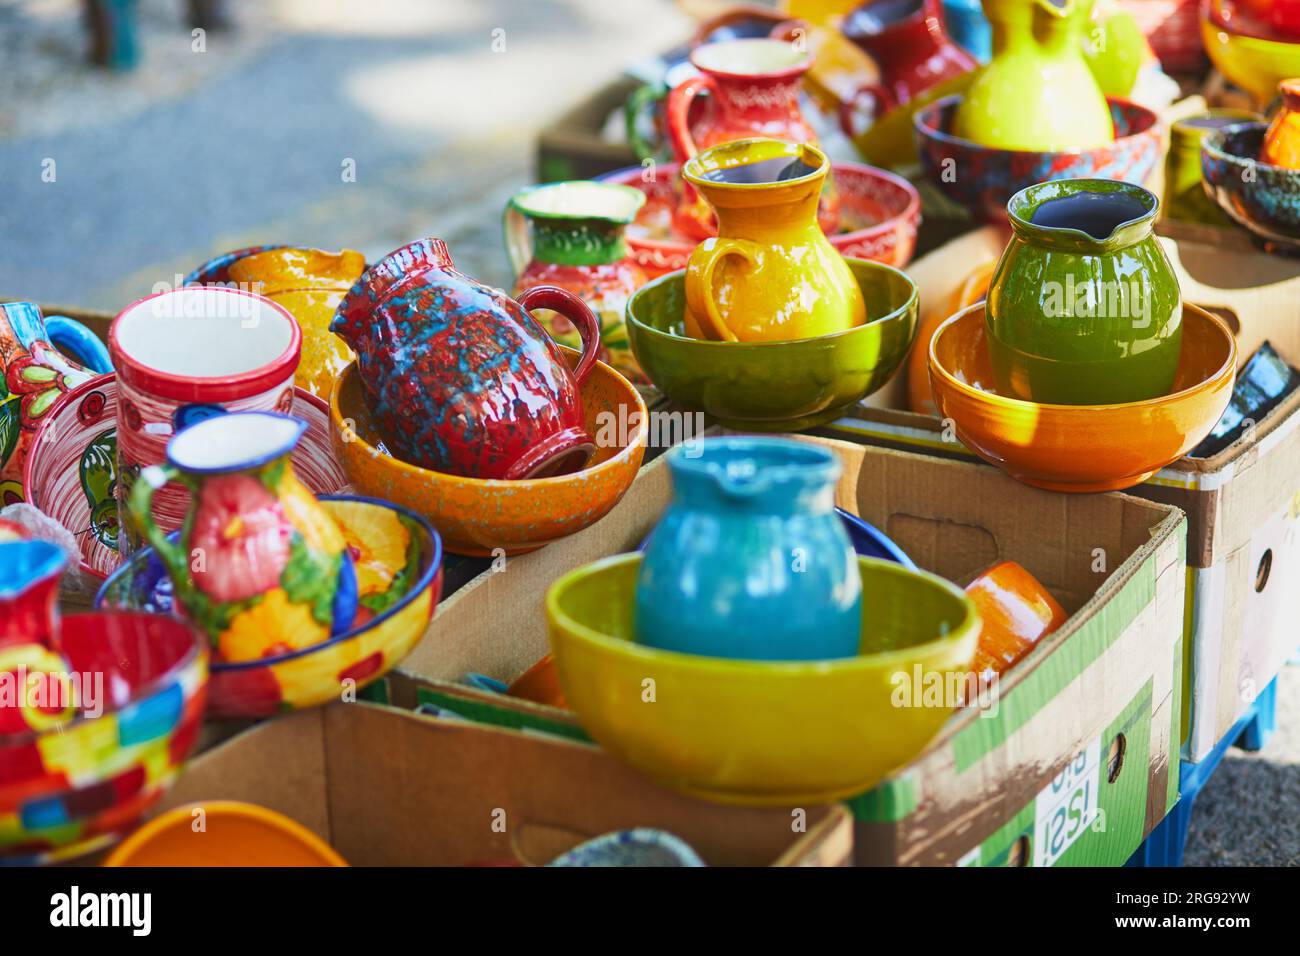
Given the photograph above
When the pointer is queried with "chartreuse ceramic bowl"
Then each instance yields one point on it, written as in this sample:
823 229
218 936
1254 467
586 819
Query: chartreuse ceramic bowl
1263 198
774 386
1081 448
398 560
1255 63
758 732
476 516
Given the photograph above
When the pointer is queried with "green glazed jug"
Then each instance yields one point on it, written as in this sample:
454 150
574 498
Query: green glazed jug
1037 93
1084 307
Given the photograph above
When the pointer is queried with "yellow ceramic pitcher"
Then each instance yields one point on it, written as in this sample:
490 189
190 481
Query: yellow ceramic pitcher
771 274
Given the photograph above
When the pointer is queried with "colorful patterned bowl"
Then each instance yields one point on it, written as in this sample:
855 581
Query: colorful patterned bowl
1246 53
71 474
774 386
983 179
1263 198
75 787
478 516
1081 448
753 732
233 834
399 575
879 216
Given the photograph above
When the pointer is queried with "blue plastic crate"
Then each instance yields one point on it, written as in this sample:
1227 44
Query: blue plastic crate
1164 847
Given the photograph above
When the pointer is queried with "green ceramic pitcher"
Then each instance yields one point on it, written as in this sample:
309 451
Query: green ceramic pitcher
1084 307
1037 93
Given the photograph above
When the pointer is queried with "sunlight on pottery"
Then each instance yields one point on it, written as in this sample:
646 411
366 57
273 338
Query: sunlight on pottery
1081 448
775 386
758 732
1264 199
1257 60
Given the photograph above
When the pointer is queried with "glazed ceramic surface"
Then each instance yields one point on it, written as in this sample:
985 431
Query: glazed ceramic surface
756 732
1084 307
1114 48
71 474
1081 448
309 283
770 274
259 565
750 560
774 386
541 684
571 235
972 290
29 592
752 88
1262 384
969 28
186 355
35 369
74 787
1249 53
988 177
1265 199
398 560
1037 92
458 377
1016 612
908 41
879 214
1282 141
475 516
1185 198
640 847
233 834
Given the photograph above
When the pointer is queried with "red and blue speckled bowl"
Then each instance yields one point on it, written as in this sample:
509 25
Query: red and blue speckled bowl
1262 197
983 179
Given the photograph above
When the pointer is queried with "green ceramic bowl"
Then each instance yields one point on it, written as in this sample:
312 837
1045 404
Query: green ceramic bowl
774 386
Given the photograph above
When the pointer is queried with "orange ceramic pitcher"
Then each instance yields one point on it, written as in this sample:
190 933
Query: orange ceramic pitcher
1282 141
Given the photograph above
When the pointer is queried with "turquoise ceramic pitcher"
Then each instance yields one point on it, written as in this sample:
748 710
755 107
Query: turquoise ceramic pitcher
750 560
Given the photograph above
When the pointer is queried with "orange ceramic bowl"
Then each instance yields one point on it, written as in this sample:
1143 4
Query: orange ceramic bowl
232 834
1081 448
477 516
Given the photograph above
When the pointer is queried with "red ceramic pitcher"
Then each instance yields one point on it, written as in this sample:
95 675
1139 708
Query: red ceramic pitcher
911 47
459 377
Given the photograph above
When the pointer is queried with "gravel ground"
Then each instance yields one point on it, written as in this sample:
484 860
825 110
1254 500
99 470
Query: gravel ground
196 153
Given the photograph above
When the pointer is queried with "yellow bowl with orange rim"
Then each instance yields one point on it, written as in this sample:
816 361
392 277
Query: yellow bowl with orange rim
1081 448
478 516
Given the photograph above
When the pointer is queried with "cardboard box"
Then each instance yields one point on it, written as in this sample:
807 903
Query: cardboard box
391 788
982 792
1243 504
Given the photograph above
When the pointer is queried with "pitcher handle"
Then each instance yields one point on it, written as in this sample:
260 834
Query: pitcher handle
680 98
519 244
79 343
882 102
634 107
173 556
577 312
699 283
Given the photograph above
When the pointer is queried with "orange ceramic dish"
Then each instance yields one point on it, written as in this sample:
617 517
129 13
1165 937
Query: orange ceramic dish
1081 448
477 516
540 684
972 290
1017 612
231 834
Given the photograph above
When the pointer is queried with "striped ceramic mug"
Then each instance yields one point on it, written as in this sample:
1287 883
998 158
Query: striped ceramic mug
185 355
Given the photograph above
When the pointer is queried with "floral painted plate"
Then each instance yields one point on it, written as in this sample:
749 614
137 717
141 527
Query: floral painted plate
398 558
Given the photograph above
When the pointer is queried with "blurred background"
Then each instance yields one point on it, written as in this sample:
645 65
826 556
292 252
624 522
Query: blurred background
114 179
362 125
